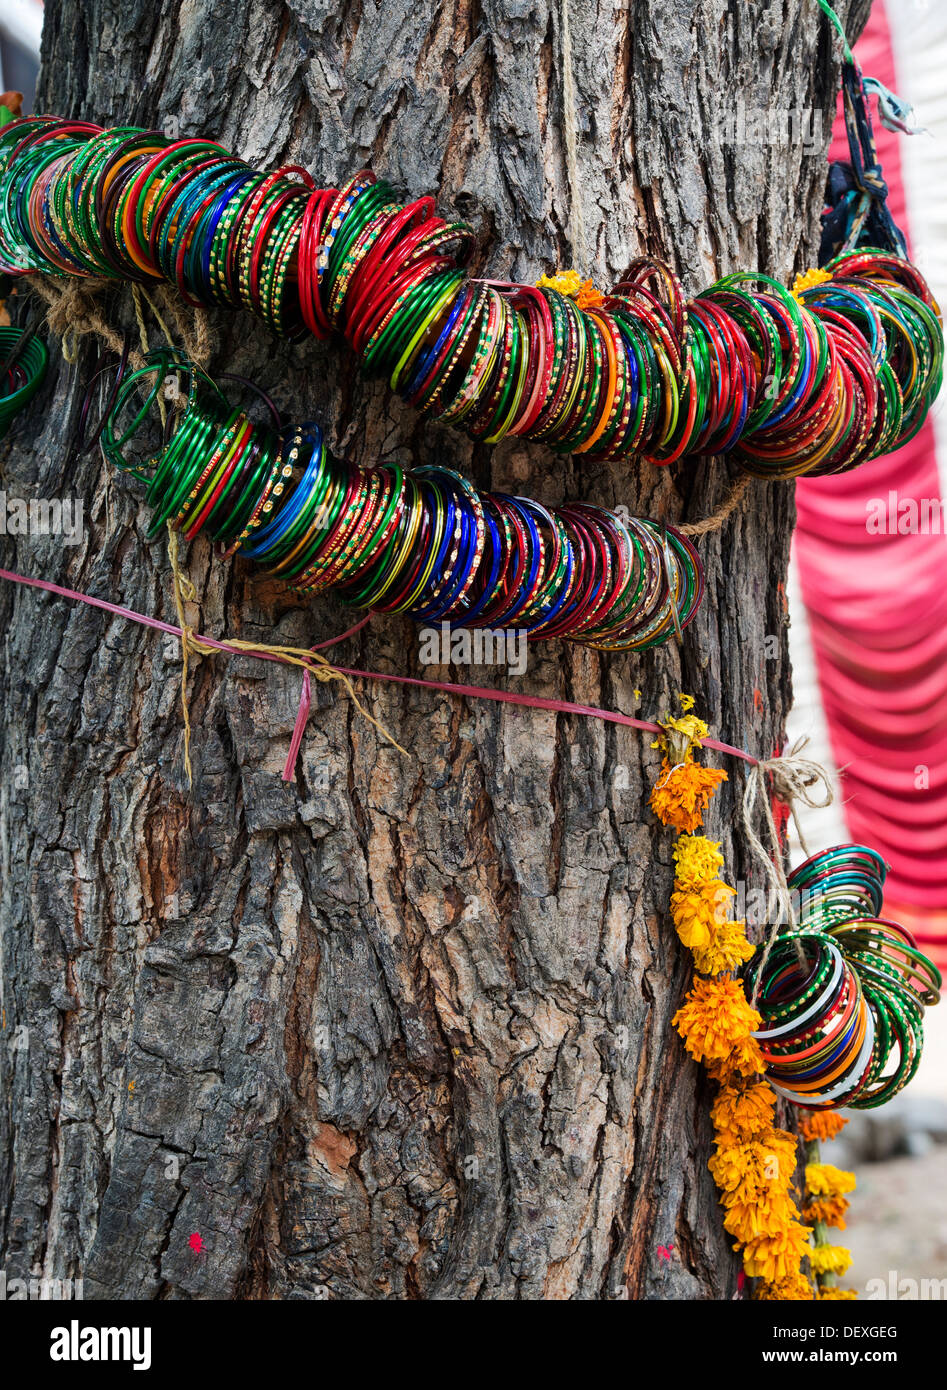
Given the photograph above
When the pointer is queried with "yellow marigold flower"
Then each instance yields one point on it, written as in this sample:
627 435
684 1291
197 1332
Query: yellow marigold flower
829 1210
745 1060
829 1259
820 1124
776 1257
715 1019
807 280
697 860
742 1113
683 793
563 282
835 1293
728 949
825 1180
694 919
794 1286
693 729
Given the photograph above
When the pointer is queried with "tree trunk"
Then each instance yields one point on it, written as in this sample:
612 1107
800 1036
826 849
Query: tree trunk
402 1029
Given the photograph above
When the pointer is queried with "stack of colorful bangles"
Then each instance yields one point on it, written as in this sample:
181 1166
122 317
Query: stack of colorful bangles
422 542
23 359
789 383
842 997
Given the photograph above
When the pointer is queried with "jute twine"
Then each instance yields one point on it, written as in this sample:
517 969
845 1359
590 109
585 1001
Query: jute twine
73 313
795 781
193 644
718 519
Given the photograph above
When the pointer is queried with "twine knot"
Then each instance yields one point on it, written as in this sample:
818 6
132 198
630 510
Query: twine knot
311 662
73 312
794 780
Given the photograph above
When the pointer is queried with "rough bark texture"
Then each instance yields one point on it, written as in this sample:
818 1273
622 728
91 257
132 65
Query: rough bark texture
401 1030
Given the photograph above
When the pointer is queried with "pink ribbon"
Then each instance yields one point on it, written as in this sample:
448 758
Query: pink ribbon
506 697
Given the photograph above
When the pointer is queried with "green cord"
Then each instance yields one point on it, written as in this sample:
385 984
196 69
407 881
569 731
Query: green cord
827 9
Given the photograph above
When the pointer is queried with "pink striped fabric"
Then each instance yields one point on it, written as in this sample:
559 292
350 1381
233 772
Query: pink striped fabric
877 606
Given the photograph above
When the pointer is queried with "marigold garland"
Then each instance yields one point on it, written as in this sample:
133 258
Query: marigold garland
754 1162
825 1205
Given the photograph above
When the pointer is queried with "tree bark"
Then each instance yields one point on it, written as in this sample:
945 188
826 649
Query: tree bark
401 1030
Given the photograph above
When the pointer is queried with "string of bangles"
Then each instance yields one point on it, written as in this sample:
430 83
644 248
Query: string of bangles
424 542
810 381
842 995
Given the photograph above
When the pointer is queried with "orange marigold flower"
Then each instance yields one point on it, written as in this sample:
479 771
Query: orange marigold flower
820 1124
683 793
715 1020
764 1215
742 1113
757 1170
829 1210
727 950
787 1143
741 1172
746 1059
835 1293
825 1180
794 1286
588 297
776 1257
